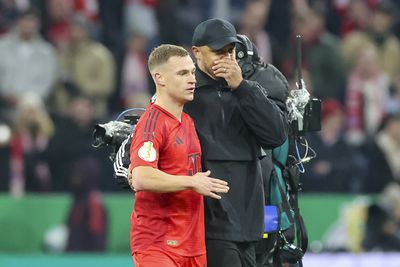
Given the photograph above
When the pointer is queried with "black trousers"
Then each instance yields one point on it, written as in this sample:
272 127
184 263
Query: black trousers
222 253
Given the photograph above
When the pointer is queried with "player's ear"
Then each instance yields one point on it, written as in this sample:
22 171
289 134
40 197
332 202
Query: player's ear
159 78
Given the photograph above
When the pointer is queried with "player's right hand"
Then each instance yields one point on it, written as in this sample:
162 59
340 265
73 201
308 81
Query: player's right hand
209 186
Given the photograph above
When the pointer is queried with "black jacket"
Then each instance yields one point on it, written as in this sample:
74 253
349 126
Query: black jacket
232 127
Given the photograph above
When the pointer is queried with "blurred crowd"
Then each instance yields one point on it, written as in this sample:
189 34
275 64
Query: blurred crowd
66 65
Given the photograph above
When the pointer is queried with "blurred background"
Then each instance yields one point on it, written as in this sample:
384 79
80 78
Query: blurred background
66 65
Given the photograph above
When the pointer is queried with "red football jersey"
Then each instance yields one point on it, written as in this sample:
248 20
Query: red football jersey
171 221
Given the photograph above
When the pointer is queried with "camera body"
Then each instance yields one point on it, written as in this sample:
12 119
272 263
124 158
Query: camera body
113 133
117 134
290 253
311 120
304 114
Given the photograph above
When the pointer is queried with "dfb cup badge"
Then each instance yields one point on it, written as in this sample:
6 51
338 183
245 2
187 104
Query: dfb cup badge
147 152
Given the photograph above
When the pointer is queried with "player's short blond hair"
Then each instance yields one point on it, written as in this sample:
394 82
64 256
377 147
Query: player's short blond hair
162 53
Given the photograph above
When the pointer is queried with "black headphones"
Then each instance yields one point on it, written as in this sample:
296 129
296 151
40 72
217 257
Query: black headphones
245 54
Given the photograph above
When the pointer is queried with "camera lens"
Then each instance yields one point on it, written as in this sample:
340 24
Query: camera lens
99 136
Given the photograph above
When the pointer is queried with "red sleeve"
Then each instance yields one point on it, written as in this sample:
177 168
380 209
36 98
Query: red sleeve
147 140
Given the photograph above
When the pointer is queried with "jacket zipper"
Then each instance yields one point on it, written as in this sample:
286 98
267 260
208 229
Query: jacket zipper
222 106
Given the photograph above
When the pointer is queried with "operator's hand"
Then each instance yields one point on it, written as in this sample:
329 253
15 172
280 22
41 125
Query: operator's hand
228 68
208 186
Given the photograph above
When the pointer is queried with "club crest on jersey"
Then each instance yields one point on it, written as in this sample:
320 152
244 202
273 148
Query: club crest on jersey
147 152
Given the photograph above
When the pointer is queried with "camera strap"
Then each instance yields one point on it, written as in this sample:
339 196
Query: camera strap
285 204
292 207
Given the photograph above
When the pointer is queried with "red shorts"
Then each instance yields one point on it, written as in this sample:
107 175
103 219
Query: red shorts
156 257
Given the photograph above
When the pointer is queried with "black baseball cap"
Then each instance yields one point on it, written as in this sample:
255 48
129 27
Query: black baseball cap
214 33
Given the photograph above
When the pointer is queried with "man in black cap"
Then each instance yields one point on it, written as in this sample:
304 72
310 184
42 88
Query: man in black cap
234 120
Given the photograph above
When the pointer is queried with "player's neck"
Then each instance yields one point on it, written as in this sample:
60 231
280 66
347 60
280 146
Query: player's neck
172 107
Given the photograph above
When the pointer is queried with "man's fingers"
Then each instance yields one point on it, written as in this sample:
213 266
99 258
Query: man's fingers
213 195
220 66
217 181
219 185
220 189
221 75
220 71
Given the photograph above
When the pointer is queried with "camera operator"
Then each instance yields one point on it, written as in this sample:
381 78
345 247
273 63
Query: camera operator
274 250
277 87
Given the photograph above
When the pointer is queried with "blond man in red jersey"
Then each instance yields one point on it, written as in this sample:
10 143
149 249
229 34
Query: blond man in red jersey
167 223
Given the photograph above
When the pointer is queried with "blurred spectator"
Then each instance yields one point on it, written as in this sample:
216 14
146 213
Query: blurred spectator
337 167
88 9
321 55
113 35
278 26
347 16
33 129
357 17
112 21
226 9
8 14
252 25
185 13
191 12
379 34
28 63
140 17
89 65
135 79
73 138
59 15
167 17
87 220
367 94
382 231
384 155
